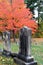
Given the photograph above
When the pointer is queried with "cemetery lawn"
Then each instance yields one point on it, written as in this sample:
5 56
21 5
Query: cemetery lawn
37 52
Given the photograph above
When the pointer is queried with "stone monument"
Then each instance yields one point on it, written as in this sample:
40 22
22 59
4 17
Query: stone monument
7 43
24 56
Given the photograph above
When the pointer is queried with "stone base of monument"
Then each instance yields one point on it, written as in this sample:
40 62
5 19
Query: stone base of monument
30 61
13 55
6 53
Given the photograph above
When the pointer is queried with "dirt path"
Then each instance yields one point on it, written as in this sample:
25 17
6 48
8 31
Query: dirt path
37 40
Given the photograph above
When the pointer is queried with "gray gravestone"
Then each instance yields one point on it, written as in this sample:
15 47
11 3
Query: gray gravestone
25 41
7 43
24 56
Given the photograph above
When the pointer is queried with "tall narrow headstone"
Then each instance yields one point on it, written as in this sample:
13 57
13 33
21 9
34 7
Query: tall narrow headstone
24 56
25 41
7 43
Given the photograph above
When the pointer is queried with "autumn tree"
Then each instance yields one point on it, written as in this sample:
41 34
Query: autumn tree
15 15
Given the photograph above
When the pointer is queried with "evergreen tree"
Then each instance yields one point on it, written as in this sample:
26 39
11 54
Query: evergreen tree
35 6
41 9
31 4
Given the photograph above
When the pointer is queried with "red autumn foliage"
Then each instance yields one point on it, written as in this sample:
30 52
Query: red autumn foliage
15 15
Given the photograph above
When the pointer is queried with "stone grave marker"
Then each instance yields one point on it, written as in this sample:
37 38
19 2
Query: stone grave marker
24 56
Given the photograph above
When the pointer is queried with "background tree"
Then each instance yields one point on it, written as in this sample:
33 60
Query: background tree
41 9
35 6
32 4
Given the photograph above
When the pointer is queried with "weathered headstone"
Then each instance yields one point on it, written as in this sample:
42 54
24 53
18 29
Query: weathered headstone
7 43
24 56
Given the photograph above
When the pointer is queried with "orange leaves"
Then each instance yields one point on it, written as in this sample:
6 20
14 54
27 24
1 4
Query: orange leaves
9 25
22 13
15 15
18 1
2 28
18 4
5 9
28 23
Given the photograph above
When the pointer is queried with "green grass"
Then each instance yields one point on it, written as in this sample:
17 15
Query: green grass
37 52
